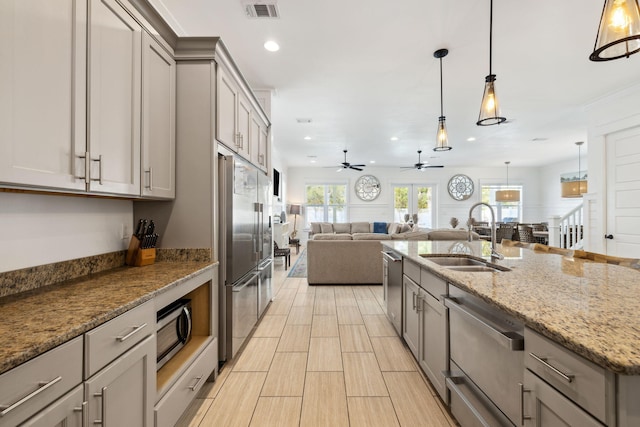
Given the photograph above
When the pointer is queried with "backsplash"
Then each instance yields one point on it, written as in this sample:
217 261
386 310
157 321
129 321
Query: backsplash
13 282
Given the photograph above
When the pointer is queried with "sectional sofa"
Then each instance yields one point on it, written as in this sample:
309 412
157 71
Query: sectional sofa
350 253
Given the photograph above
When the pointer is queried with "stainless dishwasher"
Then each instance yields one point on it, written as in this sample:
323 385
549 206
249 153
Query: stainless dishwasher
392 285
486 348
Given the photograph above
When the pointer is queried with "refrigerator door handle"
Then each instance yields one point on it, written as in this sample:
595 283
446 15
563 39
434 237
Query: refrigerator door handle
241 286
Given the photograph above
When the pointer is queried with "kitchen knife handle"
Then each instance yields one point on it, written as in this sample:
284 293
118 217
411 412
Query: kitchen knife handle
150 172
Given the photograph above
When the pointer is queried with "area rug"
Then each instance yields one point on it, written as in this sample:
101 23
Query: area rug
299 268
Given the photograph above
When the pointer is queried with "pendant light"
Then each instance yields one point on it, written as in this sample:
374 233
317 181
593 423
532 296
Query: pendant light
490 109
619 31
507 195
573 189
442 139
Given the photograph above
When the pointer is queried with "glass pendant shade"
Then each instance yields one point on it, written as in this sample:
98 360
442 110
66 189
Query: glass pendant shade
442 139
619 31
507 195
490 108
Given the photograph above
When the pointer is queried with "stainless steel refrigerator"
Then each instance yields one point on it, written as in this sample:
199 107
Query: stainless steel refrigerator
245 248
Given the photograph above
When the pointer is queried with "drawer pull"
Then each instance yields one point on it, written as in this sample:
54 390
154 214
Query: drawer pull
122 338
42 386
523 390
567 377
198 380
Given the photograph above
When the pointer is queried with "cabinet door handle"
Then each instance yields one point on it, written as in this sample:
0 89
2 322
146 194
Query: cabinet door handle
87 165
84 413
150 172
414 301
198 380
99 160
261 159
121 338
42 386
419 305
103 395
567 377
523 390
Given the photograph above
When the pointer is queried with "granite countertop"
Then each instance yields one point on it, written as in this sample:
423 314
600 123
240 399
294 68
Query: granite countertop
590 308
41 319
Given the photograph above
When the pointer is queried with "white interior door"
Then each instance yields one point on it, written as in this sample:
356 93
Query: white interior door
414 199
623 194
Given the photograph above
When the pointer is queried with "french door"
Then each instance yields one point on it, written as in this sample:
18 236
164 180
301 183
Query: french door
414 199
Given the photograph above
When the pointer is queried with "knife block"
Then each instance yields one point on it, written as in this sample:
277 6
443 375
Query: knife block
139 257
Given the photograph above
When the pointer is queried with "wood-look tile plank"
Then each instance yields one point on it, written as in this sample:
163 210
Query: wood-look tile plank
346 301
392 355
286 293
362 292
325 291
277 412
349 315
194 413
379 326
371 412
324 305
291 283
305 288
413 401
306 299
325 401
270 326
369 306
300 316
324 354
257 355
354 338
325 326
362 375
378 293
343 291
280 306
234 405
295 338
286 375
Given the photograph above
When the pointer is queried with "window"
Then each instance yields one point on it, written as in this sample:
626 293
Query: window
413 199
326 203
505 211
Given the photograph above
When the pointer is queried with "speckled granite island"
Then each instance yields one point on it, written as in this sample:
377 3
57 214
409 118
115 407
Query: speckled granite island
590 308
534 339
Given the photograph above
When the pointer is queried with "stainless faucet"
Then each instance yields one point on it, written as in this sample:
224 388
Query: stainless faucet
494 254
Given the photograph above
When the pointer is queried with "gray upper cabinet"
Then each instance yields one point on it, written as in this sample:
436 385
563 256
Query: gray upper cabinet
158 120
226 103
114 99
42 92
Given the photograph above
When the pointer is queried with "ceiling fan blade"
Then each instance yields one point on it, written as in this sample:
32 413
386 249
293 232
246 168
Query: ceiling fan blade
432 166
360 166
355 168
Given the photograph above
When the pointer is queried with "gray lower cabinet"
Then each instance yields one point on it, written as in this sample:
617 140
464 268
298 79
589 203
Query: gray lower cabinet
410 314
68 411
546 407
433 354
122 394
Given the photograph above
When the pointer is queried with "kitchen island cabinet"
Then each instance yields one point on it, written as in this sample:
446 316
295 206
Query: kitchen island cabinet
587 310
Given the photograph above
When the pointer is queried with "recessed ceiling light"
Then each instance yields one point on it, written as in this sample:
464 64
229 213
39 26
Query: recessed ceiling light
303 120
394 138
271 46
372 161
312 160
471 139
307 138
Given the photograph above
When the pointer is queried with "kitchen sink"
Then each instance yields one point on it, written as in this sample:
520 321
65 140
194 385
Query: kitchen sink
464 264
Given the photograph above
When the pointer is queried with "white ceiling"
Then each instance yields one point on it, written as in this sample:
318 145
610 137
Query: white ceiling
365 72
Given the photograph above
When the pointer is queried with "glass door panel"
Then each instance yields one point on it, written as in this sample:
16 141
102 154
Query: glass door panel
413 200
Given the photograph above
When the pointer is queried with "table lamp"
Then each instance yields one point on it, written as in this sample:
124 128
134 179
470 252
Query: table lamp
295 210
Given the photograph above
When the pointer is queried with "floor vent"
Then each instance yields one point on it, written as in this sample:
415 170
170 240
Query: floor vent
262 10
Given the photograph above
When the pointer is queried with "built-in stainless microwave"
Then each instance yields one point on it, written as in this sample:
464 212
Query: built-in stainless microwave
173 329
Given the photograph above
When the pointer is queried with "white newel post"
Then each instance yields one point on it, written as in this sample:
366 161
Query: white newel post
554 230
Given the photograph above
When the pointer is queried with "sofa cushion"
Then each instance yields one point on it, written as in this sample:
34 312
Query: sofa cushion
371 236
360 227
393 228
451 235
380 227
411 235
342 228
331 236
315 227
326 228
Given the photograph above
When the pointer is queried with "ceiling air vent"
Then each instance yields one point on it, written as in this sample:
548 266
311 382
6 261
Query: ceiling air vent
262 10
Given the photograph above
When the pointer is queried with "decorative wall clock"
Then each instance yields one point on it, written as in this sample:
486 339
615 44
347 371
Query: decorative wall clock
460 187
367 188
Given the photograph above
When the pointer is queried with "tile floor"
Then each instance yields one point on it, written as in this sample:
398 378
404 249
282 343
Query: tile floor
321 356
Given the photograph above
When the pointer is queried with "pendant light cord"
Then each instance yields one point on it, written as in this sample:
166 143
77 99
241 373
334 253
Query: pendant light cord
490 34
441 108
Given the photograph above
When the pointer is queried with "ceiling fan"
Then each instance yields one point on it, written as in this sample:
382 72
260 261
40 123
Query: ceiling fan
347 165
422 166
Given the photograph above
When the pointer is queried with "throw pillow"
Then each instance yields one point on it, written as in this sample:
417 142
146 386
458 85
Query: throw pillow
342 228
326 228
394 227
380 227
404 228
315 227
360 227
